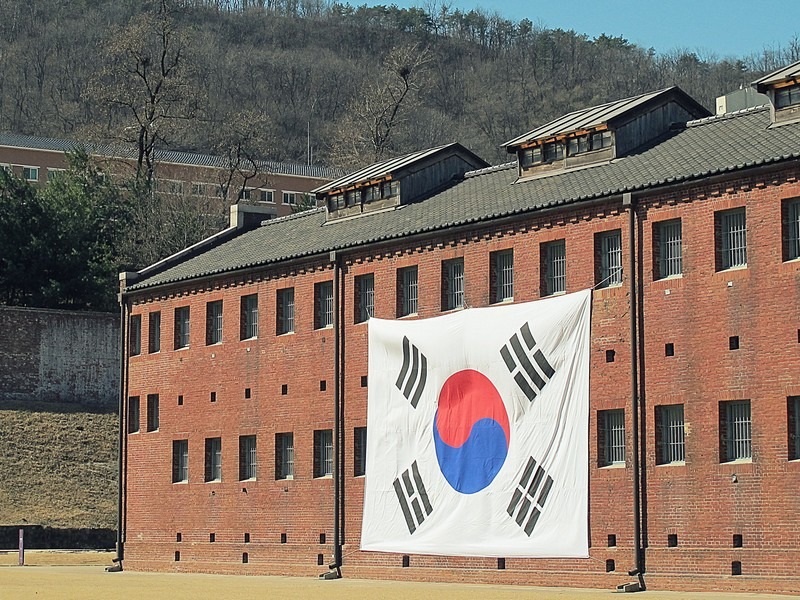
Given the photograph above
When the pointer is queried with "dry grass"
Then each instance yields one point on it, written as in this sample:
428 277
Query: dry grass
58 465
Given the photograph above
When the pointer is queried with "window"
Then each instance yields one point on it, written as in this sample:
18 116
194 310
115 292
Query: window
731 242
152 412
592 141
154 332
247 457
793 413
198 189
791 229
249 317
407 291
30 173
554 263
133 414
453 284
670 446
53 174
182 327
611 437
284 456
365 298
552 151
735 431
180 461
389 189
323 453
323 302
667 238
135 335
501 275
214 322
213 459
290 197
285 311
266 196
246 194
359 451
608 246
787 96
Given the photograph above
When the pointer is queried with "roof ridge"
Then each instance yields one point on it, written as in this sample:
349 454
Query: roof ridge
728 115
491 169
302 213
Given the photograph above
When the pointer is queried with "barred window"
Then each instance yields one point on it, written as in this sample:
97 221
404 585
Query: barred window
609 252
501 274
668 240
359 451
323 453
284 456
365 297
670 444
735 431
181 327
133 414
249 317
323 300
213 322
285 316
554 275
135 335
611 437
154 332
731 239
407 291
152 412
453 284
247 457
214 459
180 461
793 414
791 229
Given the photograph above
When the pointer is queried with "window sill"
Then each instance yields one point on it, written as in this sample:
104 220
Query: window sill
151 352
324 327
677 463
182 481
324 477
737 461
286 333
249 339
503 301
408 316
287 478
213 481
181 348
620 465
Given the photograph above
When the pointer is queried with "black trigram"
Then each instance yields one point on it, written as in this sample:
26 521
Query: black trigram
529 377
414 501
413 373
525 507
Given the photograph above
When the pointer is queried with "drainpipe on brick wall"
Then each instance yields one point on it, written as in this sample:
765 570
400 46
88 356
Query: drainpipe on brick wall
121 450
638 571
338 396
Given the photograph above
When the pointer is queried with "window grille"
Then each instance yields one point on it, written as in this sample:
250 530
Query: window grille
213 459
247 457
214 322
285 311
181 327
610 259
670 250
503 276
154 332
323 453
284 456
736 431
324 301
152 412
670 432
612 437
408 292
359 451
555 267
794 427
249 316
792 230
180 461
733 232
135 335
133 414
366 297
453 284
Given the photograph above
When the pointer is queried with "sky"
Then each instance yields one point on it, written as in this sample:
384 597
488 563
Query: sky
722 29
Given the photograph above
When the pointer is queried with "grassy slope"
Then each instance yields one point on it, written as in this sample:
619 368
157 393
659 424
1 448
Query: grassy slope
58 466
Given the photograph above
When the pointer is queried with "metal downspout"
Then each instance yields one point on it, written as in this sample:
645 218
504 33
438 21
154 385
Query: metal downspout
338 394
638 571
121 458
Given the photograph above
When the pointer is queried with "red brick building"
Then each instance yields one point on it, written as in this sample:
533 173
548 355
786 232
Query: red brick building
246 372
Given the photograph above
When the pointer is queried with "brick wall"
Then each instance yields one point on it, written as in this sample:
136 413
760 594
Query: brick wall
59 356
698 312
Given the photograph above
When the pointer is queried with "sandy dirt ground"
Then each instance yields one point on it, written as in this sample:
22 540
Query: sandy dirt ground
92 582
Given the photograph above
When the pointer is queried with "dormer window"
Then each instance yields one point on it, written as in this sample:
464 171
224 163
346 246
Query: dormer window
353 197
591 141
787 96
390 189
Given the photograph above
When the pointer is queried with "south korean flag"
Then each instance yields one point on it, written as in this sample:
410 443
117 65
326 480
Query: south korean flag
478 432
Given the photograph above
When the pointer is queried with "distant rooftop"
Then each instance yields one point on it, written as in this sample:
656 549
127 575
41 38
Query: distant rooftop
16 140
788 74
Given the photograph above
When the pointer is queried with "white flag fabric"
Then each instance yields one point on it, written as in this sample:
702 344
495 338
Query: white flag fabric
477 432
